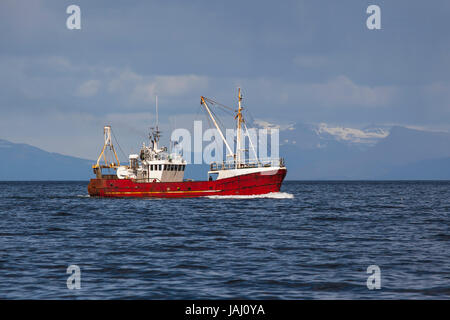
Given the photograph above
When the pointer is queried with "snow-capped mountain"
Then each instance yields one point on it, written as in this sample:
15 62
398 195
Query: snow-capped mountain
318 135
324 151
351 135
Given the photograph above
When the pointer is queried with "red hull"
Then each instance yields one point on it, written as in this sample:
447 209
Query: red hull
248 184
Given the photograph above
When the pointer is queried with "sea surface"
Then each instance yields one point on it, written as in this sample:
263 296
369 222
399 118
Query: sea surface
313 240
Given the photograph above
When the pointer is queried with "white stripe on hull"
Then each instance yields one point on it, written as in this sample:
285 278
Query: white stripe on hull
223 174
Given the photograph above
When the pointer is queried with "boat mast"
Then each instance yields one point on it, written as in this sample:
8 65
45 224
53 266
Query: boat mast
203 102
239 137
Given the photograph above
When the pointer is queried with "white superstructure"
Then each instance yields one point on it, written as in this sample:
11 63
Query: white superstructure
153 164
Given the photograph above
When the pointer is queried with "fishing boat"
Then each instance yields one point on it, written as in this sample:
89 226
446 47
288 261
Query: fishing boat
154 172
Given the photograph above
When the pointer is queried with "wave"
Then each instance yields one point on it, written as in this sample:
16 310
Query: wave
272 195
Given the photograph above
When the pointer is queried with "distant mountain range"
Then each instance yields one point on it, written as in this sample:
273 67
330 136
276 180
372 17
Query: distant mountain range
312 152
373 153
23 162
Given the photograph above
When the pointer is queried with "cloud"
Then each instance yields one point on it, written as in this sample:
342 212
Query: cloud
168 86
341 91
137 88
122 80
30 82
338 91
88 88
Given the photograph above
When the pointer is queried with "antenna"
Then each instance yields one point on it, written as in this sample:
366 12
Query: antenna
156 112
154 135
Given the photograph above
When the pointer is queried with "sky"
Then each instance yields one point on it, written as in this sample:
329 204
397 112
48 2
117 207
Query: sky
296 62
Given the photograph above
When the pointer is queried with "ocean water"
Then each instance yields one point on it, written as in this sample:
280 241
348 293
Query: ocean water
313 240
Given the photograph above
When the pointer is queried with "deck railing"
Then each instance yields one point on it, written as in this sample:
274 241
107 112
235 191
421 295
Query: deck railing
247 163
146 180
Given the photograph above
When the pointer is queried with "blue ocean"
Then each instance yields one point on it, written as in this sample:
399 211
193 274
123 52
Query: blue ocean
313 240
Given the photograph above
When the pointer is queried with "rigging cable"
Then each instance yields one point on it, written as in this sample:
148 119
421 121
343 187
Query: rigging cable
115 139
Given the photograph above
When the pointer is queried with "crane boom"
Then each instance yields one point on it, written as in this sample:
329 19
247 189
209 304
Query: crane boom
203 102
